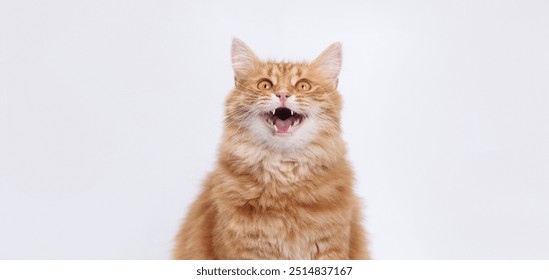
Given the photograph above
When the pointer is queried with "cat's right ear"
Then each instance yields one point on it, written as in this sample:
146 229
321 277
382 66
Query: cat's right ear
242 57
329 63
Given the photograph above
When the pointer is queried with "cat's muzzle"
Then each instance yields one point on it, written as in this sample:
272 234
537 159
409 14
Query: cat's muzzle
283 120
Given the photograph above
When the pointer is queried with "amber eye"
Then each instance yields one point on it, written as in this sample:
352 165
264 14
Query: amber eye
303 85
264 84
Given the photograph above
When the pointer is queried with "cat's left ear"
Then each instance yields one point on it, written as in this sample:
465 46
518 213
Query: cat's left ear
242 57
329 62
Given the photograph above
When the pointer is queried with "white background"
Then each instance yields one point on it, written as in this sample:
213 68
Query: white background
111 115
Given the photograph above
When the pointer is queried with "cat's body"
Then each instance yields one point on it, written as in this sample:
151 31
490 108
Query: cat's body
282 188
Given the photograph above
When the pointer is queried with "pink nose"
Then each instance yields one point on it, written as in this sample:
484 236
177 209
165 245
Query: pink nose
282 95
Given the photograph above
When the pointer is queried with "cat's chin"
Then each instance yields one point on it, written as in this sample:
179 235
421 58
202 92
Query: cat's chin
283 121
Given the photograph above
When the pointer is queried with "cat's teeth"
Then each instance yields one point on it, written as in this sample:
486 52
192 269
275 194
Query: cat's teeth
296 122
273 111
276 129
292 112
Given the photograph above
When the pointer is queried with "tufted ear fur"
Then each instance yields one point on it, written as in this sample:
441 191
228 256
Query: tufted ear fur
243 58
329 62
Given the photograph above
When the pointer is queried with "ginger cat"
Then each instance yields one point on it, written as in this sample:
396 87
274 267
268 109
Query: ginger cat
282 188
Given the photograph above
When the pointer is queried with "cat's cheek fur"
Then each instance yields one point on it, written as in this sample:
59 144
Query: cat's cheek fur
299 138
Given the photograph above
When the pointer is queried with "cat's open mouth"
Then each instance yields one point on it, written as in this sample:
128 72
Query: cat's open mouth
283 120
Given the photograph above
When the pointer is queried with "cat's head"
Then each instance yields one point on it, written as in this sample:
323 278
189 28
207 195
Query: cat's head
284 106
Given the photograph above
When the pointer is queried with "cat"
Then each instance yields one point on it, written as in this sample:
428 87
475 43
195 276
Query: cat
282 187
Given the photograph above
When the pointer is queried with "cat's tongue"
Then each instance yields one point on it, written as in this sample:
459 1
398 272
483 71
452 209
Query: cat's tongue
282 126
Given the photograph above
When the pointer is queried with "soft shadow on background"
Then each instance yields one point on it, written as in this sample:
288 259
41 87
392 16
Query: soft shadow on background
111 114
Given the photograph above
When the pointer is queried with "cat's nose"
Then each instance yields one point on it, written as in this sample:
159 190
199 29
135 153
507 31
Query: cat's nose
282 95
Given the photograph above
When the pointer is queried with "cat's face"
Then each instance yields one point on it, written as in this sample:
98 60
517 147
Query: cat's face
284 106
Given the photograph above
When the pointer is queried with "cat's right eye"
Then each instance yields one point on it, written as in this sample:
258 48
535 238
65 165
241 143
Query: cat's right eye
303 85
264 84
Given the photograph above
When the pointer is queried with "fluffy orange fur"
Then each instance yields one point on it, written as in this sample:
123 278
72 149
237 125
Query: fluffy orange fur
278 195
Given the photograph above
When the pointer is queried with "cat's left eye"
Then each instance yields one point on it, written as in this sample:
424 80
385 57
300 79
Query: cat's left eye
303 85
264 84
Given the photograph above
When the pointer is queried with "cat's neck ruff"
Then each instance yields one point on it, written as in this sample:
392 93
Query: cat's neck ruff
268 165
